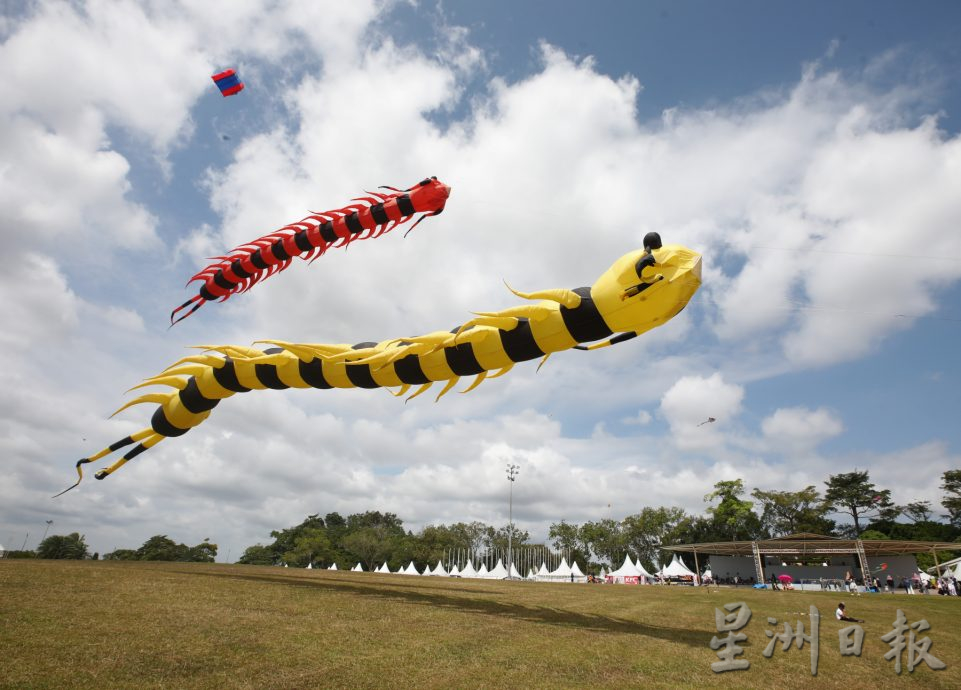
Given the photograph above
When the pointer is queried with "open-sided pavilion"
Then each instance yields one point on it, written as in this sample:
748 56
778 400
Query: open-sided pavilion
805 545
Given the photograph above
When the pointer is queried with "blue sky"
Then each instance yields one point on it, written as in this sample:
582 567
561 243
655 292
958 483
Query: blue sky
810 151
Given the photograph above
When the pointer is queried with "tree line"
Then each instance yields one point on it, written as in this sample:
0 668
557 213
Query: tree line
372 538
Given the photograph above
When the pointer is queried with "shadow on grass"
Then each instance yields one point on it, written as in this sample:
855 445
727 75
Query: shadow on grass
533 614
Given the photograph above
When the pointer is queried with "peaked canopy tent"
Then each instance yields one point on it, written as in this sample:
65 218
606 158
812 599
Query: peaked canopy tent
642 569
411 569
468 570
439 570
498 572
805 544
676 569
358 568
627 574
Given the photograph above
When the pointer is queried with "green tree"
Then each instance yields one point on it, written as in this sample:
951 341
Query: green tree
789 512
917 511
566 538
951 485
204 552
121 555
258 555
853 494
311 545
371 545
646 532
69 547
605 540
498 538
732 515
160 548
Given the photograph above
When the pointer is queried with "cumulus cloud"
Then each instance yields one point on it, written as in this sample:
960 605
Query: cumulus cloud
798 428
695 399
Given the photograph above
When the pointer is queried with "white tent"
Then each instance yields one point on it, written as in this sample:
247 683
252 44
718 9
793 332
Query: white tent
603 573
514 573
563 571
454 572
576 572
426 570
411 569
439 570
310 566
468 570
642 569
483 571
333 567
543 573
676 569
531 575
358 568
498 572
627 574
957 571
384 568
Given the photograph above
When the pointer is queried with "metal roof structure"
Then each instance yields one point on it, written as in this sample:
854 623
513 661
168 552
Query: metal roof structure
806 543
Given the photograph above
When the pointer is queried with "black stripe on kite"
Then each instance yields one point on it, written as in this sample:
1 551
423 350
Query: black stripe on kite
379 214
404 205
226 376
195 401
312 373
519 343
327 231
462 361
585 322
353 223
408 370
162 425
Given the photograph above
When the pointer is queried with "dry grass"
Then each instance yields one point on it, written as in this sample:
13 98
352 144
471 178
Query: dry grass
67 624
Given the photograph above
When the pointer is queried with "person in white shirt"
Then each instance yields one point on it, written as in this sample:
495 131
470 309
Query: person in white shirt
841 615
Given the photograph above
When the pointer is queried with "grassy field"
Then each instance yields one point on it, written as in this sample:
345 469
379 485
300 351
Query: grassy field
66 624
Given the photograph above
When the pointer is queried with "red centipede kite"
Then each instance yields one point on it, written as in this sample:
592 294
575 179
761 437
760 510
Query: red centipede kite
372 216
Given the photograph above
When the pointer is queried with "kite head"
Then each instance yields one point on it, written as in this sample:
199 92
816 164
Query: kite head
667 285
652 240
429 196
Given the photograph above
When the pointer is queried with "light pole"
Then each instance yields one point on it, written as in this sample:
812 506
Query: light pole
49 522
512 471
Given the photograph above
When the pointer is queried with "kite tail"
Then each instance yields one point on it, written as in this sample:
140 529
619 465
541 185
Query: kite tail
147 438
199 299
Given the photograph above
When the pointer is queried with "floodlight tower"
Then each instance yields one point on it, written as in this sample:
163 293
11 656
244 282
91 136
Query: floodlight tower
512 471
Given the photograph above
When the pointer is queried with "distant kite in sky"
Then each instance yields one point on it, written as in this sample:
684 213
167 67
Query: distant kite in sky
228 82
640 291
309 238
709 420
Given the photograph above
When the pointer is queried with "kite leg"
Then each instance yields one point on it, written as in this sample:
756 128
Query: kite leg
196 298
126 441
149 442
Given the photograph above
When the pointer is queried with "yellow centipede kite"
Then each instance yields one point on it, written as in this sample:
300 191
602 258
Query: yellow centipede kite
640 291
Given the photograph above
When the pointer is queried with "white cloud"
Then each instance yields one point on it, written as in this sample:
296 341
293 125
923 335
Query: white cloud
693 400
799 429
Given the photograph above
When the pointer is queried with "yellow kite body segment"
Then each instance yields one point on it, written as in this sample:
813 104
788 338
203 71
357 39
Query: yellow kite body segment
642 290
